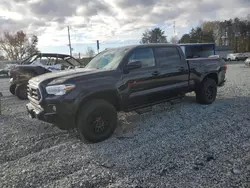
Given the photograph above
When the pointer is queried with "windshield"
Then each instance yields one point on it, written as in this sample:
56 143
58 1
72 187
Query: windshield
73 61
108 60
29 59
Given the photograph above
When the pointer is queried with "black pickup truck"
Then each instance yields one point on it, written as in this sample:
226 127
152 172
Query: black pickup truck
121 79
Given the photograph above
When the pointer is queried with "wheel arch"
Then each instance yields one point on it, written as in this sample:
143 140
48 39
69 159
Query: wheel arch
213 75
111 96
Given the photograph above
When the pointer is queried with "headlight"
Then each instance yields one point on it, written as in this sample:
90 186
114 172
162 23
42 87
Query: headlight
59 89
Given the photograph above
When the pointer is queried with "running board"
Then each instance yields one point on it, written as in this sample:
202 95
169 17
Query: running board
144 110
171 101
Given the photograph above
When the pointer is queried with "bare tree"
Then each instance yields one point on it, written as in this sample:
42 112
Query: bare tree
90 52
17 45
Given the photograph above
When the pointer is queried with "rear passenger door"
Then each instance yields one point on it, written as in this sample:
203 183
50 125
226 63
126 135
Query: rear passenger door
173 69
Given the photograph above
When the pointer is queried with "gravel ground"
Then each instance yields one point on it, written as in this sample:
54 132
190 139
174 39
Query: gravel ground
183 145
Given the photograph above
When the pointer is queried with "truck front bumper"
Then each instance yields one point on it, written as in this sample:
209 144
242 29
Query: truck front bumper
50 114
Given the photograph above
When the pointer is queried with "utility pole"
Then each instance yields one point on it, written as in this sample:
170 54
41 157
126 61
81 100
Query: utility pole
174 29
97 44
70 49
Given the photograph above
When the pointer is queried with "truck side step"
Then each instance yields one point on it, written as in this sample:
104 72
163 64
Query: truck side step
176 100
144 110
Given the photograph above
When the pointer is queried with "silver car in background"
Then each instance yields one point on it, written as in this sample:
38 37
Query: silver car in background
247 62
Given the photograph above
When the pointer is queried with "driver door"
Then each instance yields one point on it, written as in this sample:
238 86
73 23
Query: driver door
139 84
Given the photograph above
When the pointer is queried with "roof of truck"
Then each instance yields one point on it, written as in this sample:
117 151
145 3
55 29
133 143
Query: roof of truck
143 45
54 55
196 44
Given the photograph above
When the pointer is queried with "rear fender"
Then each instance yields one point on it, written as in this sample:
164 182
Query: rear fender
213 75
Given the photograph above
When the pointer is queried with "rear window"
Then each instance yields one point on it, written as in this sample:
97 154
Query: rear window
167 55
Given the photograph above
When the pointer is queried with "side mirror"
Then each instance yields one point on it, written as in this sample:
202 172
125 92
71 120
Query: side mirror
133 65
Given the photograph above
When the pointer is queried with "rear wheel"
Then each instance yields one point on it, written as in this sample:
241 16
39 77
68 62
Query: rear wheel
96 121
207 92
12 89
21 91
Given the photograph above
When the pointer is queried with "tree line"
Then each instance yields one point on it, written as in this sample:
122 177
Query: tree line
234 33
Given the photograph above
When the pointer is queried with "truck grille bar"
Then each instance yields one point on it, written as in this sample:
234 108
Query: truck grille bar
34 92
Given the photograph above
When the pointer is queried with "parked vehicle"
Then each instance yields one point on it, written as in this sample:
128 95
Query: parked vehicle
237 57
241 57
37 64
121 79
231 57
214 56
6 70
247 62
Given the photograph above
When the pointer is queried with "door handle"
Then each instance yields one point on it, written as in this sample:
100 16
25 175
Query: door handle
155 73
182 69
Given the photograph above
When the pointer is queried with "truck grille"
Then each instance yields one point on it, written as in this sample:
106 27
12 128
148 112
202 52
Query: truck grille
34 92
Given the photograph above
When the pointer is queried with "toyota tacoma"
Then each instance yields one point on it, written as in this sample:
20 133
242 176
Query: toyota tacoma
121 79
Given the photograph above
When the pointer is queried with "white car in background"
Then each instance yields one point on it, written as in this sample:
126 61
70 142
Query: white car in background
231 57
247 62
214 56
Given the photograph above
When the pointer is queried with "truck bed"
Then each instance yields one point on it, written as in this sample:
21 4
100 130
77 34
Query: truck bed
207 65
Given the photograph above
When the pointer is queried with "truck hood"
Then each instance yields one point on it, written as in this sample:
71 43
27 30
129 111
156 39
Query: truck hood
64 74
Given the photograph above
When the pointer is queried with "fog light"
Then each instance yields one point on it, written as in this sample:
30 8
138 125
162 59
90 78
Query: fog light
54 108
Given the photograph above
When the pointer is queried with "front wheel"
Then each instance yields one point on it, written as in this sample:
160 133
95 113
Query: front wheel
207 92
96 121
21 91
12 89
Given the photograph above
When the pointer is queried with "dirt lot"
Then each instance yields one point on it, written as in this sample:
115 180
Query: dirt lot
183 145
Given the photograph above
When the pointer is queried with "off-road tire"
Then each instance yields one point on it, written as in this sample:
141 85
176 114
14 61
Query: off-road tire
207 91
21 91
87 116
12 89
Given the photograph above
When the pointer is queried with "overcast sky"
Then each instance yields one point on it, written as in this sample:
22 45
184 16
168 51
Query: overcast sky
113 22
